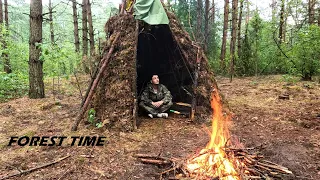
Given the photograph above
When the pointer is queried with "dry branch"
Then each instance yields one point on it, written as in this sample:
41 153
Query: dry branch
155 161
253 166
106 61
35 168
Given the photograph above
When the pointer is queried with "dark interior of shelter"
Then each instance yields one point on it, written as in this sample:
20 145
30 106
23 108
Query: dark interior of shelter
159 54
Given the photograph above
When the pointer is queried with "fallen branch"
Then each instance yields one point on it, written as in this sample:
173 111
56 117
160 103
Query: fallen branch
155 161
35 168
95 84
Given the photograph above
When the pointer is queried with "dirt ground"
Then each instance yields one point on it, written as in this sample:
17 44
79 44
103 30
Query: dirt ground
287 132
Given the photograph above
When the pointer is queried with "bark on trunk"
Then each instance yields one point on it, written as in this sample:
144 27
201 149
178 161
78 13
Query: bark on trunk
36 85
248 12
318 16
1 12
213 13
6 17
284 30
91 33
281 22
206 25
224 35
274 10
199 21
239 27
51 23
75 26
233 36
311 11
5 56
84 28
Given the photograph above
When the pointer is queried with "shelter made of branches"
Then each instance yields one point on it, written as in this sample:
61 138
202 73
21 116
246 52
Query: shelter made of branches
139 51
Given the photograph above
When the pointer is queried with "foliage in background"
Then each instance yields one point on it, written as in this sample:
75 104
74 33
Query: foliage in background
306 53
59 59
13 85
259 54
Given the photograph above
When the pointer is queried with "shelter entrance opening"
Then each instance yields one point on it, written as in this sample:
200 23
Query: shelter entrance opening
159 54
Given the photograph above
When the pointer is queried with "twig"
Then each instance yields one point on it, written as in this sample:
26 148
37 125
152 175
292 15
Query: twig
35 168
78 85
67 171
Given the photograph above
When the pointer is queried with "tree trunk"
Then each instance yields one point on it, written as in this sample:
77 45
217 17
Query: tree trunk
311 11
206 25
248 12
213 13
75 25
224 35
199 21
284 30
239 27
1 13
36 85
281 22
84 28
233 36
274 10
51 23
6 17
5 56
91 33
318 16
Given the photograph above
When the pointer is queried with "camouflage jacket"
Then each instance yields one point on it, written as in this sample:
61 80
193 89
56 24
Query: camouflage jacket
149 95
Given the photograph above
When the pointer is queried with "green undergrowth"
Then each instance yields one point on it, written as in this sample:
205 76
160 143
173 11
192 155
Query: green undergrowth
12 86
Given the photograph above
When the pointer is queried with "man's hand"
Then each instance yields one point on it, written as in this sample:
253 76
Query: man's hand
157 104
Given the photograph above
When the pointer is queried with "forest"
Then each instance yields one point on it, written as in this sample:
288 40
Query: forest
70 63
239 39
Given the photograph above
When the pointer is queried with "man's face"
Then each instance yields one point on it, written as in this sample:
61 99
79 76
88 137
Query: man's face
155 79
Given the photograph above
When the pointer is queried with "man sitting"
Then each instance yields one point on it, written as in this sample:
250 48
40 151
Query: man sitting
156 99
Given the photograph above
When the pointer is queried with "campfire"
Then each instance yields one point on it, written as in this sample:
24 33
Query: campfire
220 159
213 161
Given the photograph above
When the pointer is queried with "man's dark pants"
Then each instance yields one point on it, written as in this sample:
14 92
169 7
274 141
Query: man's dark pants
155 110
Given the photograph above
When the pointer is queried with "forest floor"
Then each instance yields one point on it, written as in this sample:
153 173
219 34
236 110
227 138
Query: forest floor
287 132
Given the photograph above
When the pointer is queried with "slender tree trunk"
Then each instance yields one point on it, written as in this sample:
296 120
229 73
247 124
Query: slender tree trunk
239 27
311 11
213 13
199 21
5 56
6 16
284 31
91 33
233 36
281 22
274 10
75 25
1 13
36 85
206 25
318 16
224 35
248 12
51 23
84 28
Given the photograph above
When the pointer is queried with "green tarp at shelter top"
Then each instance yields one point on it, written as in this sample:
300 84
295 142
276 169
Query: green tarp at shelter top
150 11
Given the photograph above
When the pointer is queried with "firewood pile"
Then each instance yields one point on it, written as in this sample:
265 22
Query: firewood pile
249 165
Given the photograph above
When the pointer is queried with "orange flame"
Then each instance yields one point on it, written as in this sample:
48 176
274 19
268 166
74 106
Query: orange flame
212 160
